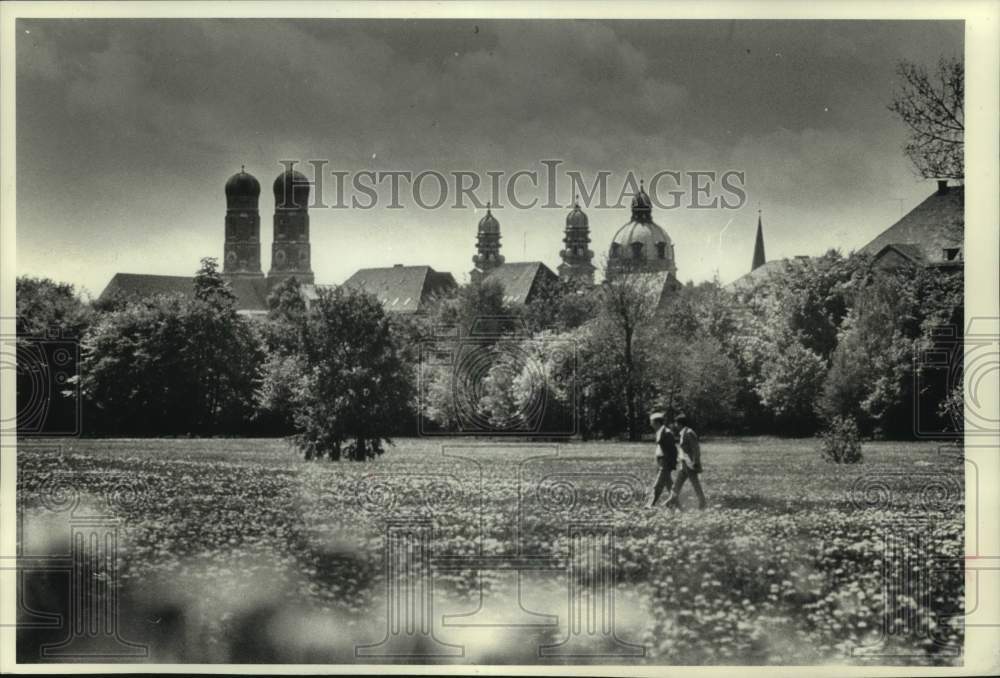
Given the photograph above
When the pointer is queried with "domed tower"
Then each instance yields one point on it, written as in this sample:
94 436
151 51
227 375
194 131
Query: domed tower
487 255
576 267
241 250
641 246
290 253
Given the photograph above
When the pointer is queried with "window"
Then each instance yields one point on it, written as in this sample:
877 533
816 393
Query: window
951 253
661 250
616 250
637 250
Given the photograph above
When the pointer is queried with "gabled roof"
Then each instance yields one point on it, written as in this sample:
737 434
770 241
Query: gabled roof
936 224
401 289
147 285
251 293
907 251
518 279
773 267
310 291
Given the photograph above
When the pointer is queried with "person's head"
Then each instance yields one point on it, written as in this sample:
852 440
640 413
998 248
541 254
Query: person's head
656 420
680 421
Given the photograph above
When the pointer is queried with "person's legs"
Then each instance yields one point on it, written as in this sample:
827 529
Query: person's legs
675 492
696 484
662 481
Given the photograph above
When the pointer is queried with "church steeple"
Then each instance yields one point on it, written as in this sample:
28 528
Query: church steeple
487 255
758 249
576 256
290 251
241 250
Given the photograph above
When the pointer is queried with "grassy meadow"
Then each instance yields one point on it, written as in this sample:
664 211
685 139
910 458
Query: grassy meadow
236 550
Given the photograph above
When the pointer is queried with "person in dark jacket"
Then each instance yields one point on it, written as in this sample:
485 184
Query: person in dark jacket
666 455
690 463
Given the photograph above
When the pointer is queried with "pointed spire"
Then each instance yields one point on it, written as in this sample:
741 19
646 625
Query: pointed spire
758 248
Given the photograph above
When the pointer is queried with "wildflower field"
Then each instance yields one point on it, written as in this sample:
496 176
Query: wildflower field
456 551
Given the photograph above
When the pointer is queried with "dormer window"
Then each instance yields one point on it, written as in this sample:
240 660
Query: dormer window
616 250
661 250
637 250
951 253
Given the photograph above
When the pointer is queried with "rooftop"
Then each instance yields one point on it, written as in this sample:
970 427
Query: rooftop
401 289
935 225
251 293
518 279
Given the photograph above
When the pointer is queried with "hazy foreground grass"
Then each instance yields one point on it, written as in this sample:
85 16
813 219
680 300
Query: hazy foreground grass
236 550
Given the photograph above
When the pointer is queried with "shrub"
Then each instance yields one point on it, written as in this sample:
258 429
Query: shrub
841 441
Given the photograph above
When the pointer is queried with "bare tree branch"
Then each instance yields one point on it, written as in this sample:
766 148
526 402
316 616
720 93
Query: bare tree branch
935 113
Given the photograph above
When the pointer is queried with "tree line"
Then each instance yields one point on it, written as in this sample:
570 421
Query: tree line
828 338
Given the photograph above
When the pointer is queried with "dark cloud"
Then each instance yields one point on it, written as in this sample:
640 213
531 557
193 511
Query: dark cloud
127 129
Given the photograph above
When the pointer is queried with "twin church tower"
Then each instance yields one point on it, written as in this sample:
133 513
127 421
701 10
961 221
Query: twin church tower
290 254
290 250
640 246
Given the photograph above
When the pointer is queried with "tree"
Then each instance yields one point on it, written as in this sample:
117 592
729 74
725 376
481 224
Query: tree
933 109
895 318
694 375
134 377
810 298
530 384
558 305
477 308
792 379
348 382
223 348
601 379
286 317
277 393
705 310
626 305
459 338
785 334
51 320
286 303
283 334
172 364
847 382
211 287
47 308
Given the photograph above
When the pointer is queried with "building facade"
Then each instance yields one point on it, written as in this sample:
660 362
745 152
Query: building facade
639 247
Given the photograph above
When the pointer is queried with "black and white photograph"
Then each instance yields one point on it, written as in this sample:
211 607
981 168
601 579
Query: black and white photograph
529 337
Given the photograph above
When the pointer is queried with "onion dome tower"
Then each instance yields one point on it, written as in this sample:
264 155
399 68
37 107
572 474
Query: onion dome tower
290 253
641 246
241 250
576 256
487 255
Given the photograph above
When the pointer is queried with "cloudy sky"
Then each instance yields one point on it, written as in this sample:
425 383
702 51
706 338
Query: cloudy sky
128 129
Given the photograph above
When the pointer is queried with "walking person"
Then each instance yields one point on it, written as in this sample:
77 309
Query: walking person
690 463
666 455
